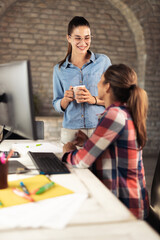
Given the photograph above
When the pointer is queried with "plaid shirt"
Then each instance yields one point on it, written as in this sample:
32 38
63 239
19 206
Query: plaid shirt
113 152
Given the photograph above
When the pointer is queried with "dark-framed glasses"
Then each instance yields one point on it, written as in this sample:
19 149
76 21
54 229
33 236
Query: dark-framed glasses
78 39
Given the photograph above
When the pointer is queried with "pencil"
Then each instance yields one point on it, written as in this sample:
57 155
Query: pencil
9 154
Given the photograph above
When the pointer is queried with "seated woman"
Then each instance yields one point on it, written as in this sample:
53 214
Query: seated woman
114 150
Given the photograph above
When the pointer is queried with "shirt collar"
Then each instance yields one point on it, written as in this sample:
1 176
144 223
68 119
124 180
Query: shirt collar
92 58
67 62
115 104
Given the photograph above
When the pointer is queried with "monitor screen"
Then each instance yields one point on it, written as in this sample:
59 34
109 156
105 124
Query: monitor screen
16 100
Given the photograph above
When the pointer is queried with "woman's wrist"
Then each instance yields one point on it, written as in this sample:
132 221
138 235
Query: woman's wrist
95 100
64 103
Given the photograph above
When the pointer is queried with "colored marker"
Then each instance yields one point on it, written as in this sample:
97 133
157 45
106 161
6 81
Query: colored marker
24 188
45 188
9 154
2 158
22 194
34 191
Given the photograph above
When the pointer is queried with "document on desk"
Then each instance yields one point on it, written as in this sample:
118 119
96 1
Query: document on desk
51 213
53 208
23 148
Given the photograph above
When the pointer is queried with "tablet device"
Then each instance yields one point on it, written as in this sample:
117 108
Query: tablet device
15 167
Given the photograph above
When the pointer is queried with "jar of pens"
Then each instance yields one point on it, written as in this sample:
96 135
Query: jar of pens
4 169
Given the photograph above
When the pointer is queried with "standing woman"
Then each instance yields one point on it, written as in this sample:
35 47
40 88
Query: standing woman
79 67
115 148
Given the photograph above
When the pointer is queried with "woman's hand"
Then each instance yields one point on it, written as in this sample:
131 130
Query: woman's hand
68 97
83 95
80 139
68 147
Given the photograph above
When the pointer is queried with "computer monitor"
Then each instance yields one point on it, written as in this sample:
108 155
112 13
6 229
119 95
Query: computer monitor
16 99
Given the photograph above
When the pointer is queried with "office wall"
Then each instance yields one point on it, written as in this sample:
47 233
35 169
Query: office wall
127 31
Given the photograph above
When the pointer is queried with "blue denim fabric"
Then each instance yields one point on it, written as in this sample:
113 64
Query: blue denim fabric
79 115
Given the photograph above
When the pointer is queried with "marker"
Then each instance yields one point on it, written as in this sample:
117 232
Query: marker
2 158
45 188
22 194
34 191
9 154
24 188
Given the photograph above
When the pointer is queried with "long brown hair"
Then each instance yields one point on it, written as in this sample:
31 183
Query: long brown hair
75 22
123 82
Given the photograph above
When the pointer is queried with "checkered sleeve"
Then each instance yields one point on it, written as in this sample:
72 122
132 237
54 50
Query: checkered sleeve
108 130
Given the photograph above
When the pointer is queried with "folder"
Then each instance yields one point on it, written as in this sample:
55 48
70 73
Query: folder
9 198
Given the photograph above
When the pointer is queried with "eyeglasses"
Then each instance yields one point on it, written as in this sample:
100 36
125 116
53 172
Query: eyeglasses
78 39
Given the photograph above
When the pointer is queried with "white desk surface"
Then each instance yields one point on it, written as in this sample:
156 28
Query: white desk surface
102 215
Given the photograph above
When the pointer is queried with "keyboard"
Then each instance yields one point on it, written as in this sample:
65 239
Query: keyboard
14 155
48 163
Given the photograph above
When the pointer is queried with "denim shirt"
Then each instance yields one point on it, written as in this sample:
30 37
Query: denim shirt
79 115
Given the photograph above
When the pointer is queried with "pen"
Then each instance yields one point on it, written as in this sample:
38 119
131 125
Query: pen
9 154
24 188
45 188
22 194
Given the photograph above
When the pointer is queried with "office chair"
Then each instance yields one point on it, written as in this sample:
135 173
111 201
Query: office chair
40 129
154 211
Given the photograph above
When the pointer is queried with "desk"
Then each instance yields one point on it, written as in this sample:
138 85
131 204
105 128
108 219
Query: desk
102 215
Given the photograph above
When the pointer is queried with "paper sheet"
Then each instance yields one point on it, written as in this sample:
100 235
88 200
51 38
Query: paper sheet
8 198
52 213
53 209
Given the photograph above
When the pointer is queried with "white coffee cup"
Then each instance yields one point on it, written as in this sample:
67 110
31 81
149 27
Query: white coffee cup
76 88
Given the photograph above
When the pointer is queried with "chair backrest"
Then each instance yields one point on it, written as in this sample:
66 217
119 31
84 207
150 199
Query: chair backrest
40 129
155 189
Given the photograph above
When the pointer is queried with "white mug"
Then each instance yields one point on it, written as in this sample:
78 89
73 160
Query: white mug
75 88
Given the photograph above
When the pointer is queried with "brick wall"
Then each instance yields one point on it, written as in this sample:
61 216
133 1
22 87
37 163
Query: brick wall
127 31
148 14
52 127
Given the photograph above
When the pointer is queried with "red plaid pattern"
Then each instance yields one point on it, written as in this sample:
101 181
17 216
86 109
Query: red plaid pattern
113 153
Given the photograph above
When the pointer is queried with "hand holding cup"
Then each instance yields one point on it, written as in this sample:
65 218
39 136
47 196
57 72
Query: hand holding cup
82 94
78 93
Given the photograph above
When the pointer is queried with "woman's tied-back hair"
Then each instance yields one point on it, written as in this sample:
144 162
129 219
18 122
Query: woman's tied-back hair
77 21
123 82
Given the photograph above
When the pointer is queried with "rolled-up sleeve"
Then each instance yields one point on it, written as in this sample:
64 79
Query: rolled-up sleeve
58 92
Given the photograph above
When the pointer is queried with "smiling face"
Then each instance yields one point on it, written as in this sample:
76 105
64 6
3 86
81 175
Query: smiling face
80 39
